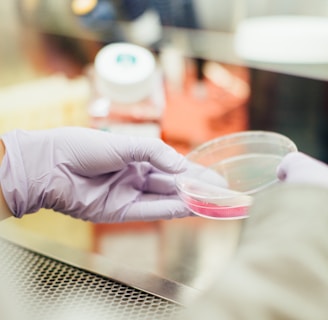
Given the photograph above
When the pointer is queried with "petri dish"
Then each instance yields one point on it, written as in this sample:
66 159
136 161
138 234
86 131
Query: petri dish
225 173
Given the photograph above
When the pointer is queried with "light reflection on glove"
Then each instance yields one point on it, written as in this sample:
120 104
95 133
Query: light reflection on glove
297 167
91 175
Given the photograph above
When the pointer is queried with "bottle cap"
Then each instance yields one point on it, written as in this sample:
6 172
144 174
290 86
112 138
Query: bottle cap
124 72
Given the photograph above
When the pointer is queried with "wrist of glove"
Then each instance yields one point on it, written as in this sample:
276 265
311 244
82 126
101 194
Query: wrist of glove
299 168
91 175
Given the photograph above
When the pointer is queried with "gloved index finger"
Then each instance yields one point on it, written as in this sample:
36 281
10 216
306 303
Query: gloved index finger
156 152
91 152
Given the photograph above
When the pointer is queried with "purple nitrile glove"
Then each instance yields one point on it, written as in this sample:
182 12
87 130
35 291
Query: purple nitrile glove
91 175
297 167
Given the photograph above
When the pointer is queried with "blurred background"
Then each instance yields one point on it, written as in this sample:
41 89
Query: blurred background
49 47
208 88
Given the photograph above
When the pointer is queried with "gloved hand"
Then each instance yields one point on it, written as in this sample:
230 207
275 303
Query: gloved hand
91 175
297 167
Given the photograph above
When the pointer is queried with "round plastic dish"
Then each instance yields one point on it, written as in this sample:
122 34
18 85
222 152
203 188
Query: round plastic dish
225 173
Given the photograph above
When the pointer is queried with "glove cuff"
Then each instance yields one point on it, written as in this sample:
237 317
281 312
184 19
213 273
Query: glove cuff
13 177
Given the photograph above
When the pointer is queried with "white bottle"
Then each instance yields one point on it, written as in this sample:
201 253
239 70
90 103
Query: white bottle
129 96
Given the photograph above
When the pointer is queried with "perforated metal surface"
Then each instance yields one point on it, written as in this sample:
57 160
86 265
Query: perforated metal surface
50 289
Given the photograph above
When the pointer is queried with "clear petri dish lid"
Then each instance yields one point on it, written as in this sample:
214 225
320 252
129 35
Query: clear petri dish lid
226 173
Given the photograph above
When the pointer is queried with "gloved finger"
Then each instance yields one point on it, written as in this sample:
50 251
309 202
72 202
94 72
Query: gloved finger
97 152
286 164
150 207
298 167
154 151
200 180
204 174
160 183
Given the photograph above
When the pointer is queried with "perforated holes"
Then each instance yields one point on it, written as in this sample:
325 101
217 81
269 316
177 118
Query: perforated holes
46 288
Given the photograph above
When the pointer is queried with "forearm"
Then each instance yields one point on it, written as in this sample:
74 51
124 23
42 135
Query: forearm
280 269
4 209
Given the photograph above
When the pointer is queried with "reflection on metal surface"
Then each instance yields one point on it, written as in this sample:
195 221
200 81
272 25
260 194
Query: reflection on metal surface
189 251
185 255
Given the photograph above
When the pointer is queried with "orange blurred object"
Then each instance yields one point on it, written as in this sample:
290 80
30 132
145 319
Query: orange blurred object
207 108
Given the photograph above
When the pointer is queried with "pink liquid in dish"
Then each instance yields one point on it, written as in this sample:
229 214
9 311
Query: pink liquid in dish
212 210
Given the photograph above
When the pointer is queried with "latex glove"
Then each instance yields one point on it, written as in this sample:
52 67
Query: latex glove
297 167
91 175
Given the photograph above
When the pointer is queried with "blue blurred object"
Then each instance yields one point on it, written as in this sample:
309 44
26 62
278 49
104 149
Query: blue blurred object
103 22
104 17
177 13
133 9
101 18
